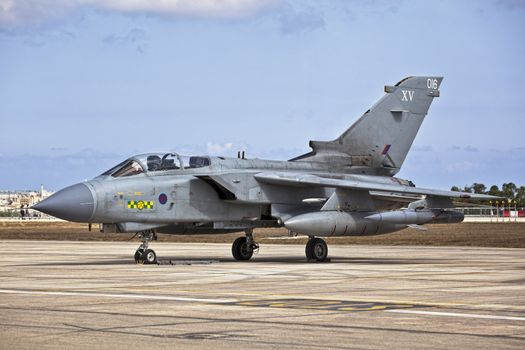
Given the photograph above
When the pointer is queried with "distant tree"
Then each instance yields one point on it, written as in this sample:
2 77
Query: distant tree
479 188
520 196
494 191
8 214
508 190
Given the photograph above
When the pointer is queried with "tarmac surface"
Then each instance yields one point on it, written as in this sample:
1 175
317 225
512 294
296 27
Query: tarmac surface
63 295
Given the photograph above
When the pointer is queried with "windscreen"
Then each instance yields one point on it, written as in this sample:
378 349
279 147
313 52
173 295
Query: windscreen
113 169
130 168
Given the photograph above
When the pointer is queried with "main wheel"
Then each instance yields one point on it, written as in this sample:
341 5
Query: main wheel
316 249
309 249
150 257
139 256
241 250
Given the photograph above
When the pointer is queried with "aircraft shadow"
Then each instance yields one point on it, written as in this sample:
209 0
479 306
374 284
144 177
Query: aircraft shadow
182 260
302 260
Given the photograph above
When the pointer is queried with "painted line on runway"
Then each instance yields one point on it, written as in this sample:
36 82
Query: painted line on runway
417 303
290 303
455 314
124 296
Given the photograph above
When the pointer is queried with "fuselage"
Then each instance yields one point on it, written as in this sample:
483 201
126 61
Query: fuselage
197 194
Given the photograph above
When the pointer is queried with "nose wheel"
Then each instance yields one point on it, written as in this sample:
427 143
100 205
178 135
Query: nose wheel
144 255
316 250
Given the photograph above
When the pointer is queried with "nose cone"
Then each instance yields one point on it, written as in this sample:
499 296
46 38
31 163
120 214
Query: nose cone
73 203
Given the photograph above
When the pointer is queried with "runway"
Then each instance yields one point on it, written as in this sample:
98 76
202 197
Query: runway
63 295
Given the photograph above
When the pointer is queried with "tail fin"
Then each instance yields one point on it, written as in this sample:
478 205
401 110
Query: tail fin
382 137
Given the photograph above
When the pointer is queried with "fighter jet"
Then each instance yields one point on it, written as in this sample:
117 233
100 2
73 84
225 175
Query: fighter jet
344 187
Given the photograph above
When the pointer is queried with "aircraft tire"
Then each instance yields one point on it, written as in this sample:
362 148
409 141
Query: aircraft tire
240 249
316 249
139 256
150 257
308 250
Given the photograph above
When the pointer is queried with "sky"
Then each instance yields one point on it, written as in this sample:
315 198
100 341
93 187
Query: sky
85 84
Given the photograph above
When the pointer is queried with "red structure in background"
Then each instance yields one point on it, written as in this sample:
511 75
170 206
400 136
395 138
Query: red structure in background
521 213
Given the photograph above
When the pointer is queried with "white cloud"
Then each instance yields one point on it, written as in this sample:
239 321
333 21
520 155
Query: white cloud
217 148
301 19
135 37
422 148
470 148
461 167
20 13
194 8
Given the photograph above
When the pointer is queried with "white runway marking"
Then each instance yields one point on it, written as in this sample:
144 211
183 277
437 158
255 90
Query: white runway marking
222 301
124 296
454 314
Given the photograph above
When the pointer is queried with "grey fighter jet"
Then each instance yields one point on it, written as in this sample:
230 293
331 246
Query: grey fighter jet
342 187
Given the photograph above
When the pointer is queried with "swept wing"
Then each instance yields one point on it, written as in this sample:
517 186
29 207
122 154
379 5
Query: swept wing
295 179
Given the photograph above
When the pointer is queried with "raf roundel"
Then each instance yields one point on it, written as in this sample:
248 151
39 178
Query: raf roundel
163 198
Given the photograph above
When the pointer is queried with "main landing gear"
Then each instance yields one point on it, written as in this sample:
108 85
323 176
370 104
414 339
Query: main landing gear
316 249
243 247
143 255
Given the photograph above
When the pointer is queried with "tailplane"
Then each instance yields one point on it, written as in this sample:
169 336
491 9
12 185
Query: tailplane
382 137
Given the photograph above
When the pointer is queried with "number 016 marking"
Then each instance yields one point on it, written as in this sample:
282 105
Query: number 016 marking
432 84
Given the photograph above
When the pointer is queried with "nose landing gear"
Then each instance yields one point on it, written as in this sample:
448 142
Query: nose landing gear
144 255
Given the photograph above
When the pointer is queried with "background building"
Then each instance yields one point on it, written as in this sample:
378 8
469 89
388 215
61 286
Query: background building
12 203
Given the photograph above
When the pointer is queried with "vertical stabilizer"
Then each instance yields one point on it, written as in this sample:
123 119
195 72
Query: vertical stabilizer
382 137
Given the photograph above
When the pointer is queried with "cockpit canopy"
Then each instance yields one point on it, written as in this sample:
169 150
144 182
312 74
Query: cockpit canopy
153 162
